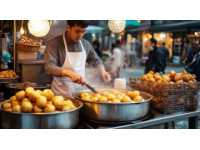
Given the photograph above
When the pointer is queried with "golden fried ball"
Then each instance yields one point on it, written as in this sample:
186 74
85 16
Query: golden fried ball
102 99
137 98
126 99
116 101
84 94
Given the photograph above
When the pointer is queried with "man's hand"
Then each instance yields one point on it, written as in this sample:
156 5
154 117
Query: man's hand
76 78
106 77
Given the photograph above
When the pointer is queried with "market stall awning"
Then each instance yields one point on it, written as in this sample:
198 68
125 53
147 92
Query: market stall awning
173 27
133 23
93 29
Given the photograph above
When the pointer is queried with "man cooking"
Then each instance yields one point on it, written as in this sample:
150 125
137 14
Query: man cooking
65 58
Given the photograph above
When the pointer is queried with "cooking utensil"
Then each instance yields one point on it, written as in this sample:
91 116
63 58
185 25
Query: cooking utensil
57 120
91 88
114 111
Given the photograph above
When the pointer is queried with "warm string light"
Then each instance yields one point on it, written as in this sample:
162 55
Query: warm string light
22 29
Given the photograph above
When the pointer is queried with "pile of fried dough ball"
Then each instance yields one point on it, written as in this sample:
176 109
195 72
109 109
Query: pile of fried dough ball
113 96
37 101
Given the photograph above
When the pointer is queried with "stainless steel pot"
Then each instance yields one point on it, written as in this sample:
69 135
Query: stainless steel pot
57 120
114 111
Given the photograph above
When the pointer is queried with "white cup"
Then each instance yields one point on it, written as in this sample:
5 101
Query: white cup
120 83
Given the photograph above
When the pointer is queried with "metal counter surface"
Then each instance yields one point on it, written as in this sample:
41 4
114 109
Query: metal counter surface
161 119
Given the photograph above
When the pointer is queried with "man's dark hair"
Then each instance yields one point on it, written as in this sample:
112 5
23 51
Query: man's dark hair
82 23
153 41
163 43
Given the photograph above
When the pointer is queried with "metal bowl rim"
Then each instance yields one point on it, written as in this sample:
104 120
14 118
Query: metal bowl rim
124 103
40 114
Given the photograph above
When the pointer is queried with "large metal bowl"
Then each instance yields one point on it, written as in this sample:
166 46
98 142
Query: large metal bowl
115 112
57 120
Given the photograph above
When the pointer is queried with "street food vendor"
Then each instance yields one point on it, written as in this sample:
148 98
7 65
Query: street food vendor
65 58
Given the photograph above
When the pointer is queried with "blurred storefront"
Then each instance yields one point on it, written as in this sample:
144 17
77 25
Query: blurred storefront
173 32
180 31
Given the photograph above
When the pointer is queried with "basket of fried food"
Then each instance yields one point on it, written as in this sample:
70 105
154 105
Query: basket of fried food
164 85
28 45
172 92
8 74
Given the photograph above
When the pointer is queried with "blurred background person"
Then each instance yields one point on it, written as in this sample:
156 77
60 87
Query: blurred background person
116 57
132 54
165 52
197 68
183 56
122 46
151 61
160 61
96 46
189 52
114 63
138 42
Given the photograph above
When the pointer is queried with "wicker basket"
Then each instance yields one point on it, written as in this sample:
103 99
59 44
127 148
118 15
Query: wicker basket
28 48
169 98
191 102
192 89
168 104
168 89
134 82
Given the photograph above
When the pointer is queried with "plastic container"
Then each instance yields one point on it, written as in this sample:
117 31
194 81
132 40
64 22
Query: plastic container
26 56
6 59
39 56
120 83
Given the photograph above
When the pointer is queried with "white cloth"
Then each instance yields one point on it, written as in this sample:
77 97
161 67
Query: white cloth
74 61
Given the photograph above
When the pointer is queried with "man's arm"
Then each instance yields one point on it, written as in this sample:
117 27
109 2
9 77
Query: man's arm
51 60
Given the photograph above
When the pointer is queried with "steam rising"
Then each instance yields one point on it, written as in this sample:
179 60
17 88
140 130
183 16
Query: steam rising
94 78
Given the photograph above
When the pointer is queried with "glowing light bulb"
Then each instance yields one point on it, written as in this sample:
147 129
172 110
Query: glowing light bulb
21 30
116 26
39 28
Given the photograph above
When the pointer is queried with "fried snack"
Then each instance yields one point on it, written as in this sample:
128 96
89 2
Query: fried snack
27 41
23 85
8 74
